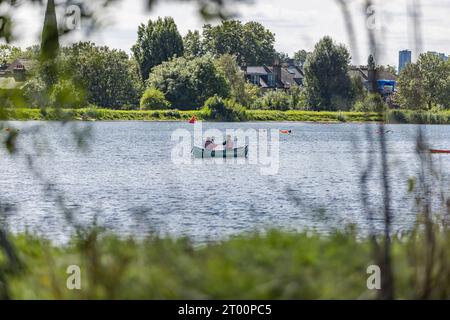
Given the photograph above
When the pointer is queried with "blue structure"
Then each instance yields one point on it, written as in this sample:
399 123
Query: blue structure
403 59
386 87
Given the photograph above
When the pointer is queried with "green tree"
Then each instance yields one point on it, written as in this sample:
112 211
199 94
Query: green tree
109 77
251 43
328 85
35 93
435 73
370 103
225 38
241 90
187 83
157 41
66 94
192 43
274 100
258 43
8 53
425 84
224 109
388 68
411 91
154 99
49 46
300 57
282 57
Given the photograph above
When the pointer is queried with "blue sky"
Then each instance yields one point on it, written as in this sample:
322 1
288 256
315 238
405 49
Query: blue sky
297 24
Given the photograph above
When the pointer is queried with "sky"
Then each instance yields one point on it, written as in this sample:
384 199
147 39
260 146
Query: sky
297 24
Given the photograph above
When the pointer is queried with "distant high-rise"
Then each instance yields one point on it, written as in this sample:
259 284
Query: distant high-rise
404 59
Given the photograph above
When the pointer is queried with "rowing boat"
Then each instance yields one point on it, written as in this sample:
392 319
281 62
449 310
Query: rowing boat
240 152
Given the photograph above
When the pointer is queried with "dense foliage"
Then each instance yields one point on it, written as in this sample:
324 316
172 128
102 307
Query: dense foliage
328 84
188 83
241 90
217 108
193 46
154 99
301 56
281 100
109 77
157 41
277 265
425 84
192 69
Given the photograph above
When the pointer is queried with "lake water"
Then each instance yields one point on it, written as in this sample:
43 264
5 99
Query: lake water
128 182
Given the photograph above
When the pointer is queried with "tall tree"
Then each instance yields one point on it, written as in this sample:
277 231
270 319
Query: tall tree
250 43
425 84
192 43
435 72
411 94
157 41
328 84
49 45
108 76
225 38
283 57
300 57
258 43
241 90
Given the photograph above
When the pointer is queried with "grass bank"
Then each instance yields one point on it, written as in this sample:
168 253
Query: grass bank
277 265
393 116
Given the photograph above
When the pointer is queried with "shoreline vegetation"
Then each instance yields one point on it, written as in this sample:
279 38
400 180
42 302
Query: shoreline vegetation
94 114
271 265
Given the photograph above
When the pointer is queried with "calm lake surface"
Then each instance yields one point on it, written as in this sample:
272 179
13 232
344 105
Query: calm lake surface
128 182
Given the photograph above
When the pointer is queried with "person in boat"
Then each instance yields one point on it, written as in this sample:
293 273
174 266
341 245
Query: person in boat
208 141
228 143
209 144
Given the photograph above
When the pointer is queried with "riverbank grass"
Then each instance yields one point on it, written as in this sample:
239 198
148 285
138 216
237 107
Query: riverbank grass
274 265
92 114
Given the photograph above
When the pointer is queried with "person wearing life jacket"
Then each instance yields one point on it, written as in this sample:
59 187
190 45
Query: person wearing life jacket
228 143
209 143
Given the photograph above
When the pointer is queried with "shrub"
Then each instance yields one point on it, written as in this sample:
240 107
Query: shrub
371 103
66 95
173 114
35 92
154 99
341 117
224 109
188 83
274 100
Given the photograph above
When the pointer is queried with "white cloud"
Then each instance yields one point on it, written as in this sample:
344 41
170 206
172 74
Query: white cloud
297 24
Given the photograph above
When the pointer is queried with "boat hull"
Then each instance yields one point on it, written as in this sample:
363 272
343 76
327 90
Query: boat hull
241 152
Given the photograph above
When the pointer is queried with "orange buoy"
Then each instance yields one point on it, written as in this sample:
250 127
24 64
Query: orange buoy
285 131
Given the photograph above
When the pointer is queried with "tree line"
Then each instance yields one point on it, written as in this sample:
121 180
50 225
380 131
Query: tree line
167 70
